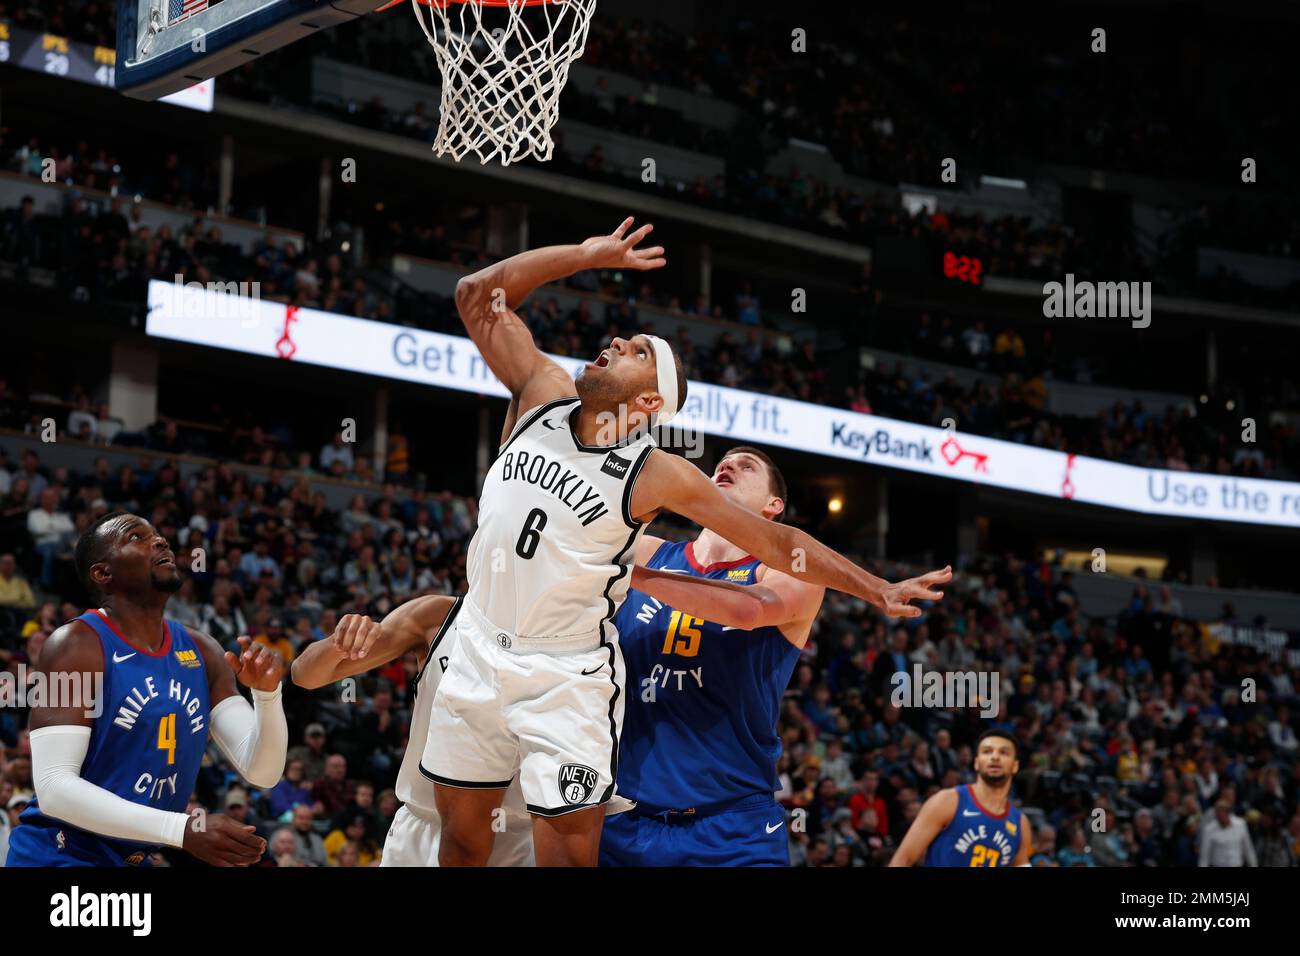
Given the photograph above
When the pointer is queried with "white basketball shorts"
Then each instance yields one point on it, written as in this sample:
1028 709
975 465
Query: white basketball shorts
413 841
553 716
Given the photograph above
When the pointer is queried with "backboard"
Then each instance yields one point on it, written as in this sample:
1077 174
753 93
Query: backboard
167 45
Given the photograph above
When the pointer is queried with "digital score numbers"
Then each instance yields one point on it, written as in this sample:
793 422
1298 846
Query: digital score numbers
57 56
962 268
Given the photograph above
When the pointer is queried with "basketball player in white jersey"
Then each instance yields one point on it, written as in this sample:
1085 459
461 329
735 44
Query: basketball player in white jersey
423 625
536 686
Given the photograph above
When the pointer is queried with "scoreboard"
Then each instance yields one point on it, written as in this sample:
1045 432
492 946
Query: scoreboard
69 59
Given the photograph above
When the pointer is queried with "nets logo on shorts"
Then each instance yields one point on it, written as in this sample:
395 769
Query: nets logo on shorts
576 783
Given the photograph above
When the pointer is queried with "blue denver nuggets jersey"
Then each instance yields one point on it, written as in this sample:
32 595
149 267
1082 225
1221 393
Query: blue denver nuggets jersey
708 735
976 837
146 746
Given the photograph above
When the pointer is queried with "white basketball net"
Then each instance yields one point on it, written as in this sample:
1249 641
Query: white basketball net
503 65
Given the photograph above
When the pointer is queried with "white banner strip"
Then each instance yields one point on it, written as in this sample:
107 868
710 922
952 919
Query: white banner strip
231 316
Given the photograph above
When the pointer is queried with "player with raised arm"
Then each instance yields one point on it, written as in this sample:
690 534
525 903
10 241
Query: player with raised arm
113 787
975 824
537 688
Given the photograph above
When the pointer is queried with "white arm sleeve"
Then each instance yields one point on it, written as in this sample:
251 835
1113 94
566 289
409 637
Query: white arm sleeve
254 739
57 755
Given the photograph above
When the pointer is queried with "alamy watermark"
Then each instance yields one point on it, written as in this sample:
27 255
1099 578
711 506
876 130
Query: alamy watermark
619 424
947 689
1101 300
234 300
80 690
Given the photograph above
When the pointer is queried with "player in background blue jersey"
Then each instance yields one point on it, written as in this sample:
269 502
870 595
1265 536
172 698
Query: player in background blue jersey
974 824
699 746
113 777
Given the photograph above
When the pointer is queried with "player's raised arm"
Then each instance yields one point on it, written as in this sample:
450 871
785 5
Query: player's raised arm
486 301
670 482
935 814
255 739
360 643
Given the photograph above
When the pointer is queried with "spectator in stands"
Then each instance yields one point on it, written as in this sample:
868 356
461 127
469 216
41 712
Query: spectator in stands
337 452
333 791
1167 603
257 565
52 530
311 752
291 790
1009 349
1077 853
398 465
15 593
1107 845
1280 732
13 808
182 606
282 850
82 423
866 799
357 517
355 832
22 233
1044 847
362 575
977 344
401 577
274 638
1225 839
165 436
223 622
33 475
106 426
309 847
19 775
1272 846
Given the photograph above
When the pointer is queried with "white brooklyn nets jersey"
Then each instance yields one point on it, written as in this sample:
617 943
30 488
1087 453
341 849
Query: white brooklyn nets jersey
555 542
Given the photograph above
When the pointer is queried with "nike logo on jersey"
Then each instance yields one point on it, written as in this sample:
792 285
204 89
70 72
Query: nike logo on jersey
970 813
592 671
119 658
548 423
773 829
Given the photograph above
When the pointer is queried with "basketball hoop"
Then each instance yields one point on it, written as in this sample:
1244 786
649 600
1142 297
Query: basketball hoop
504 64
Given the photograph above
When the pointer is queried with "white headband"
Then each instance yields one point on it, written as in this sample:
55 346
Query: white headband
666 370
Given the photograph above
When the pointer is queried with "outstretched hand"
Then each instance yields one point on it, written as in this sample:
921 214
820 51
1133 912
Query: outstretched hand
256 665
896 598
619 250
